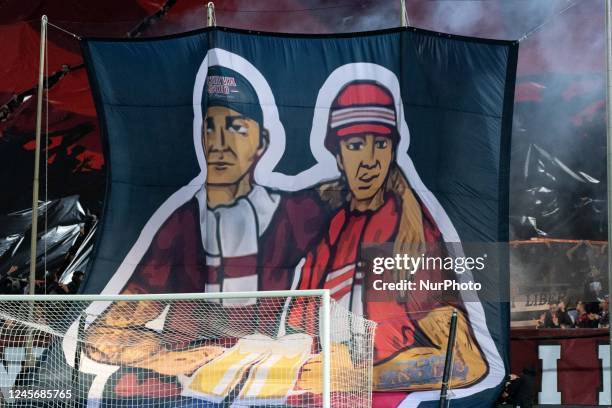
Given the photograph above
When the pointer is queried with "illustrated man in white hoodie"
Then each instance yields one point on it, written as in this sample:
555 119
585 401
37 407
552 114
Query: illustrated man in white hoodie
233 235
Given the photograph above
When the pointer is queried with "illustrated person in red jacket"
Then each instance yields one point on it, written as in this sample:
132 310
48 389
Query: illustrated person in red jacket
380 207
233 235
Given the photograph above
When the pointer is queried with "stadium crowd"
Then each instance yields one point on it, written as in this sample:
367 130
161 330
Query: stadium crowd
559 283
586 315
13 285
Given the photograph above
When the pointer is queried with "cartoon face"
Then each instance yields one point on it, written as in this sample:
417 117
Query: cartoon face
231 145
365 161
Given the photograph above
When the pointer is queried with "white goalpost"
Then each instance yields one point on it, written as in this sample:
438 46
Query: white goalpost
242 349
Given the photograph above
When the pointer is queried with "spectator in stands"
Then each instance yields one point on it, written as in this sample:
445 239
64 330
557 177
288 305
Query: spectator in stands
573 314
564 318
556 317
585 319
592 290
39 286
551 320
10 283
604 320
54 287
519 391
540 321
75 283
11 286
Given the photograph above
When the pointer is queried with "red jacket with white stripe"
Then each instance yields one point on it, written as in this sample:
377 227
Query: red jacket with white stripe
336 264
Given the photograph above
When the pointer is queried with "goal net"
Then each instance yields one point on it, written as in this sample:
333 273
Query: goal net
257 349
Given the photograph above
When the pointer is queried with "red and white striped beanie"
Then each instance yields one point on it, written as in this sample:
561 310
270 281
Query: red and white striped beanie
361 107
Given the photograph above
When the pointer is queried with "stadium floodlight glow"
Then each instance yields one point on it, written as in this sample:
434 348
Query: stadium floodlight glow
260 349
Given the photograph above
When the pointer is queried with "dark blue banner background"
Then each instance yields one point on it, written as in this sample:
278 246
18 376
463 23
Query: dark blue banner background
457 97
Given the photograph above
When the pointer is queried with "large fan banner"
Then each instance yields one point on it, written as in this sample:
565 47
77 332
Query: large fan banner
244 161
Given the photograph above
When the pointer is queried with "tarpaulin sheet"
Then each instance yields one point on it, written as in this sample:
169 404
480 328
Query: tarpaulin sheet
256 162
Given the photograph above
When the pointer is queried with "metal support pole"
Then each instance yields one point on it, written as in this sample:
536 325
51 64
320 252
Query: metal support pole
36 181
30 358
448 364
326 347
609 158
404 14
210 15
77 356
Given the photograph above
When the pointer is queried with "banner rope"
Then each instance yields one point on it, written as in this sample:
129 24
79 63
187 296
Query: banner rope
150 20
546 21
78 37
